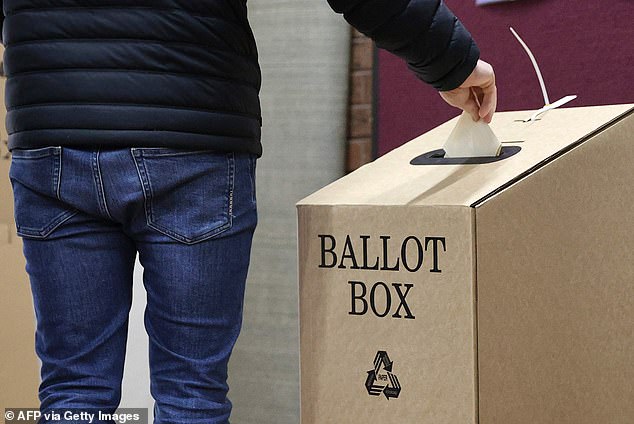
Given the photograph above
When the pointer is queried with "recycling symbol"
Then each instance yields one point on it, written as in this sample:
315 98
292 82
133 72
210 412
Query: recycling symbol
381 379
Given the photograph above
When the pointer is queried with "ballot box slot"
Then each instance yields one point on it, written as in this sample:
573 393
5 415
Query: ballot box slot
437 157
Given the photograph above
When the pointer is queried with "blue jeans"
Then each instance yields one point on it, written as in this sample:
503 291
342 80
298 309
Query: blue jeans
83 215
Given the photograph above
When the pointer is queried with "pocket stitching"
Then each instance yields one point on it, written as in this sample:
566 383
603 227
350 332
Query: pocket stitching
230 183
69 212
46 231
148 195
147 151
41 152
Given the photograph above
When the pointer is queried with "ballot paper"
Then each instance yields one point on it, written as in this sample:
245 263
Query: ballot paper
471 139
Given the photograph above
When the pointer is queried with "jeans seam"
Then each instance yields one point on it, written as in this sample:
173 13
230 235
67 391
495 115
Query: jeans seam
99 183
53 173
253 186
59 173
231 184
142 181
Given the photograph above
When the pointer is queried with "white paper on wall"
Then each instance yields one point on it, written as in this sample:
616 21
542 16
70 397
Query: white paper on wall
483 2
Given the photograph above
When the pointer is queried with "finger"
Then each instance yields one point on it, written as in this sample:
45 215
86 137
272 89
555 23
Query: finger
488 104
471 107
456 97
476 94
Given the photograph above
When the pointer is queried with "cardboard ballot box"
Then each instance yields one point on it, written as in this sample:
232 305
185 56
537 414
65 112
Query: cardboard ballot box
457 291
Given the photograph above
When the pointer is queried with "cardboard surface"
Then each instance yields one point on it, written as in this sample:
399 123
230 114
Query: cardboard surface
556 290
391 181
391 258
338 349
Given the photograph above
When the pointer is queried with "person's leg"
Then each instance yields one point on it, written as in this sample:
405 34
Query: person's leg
80 266
195 251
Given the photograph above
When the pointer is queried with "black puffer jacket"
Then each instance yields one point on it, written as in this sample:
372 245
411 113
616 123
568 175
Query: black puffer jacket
179 73
436 46
176 73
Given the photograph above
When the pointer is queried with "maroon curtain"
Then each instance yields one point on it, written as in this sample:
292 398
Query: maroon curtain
584 47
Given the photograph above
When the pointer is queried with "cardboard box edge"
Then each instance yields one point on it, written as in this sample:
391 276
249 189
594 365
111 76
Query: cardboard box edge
554 156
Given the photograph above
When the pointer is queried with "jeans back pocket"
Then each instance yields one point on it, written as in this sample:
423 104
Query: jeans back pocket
35 178
188 193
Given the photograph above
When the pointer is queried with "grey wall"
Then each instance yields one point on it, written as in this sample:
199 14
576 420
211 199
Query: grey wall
136 376
304 50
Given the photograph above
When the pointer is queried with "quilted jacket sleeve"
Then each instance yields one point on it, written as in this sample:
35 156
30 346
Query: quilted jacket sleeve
435 44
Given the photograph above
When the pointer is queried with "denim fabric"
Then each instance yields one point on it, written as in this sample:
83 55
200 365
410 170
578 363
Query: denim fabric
83 214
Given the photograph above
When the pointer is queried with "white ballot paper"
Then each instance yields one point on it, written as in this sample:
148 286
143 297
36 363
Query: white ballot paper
471 139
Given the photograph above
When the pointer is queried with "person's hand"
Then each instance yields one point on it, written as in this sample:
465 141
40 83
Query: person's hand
477 95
